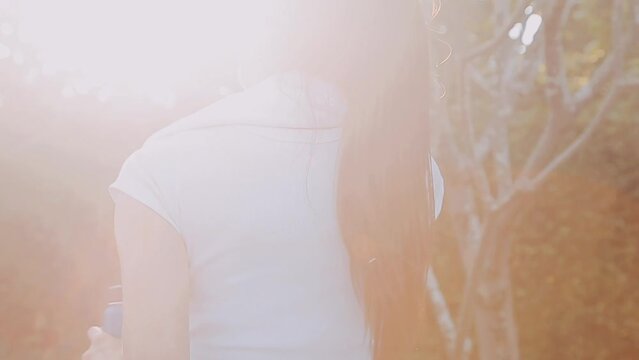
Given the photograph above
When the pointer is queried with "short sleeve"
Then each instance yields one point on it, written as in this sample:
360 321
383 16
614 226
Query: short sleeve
136 181
438 187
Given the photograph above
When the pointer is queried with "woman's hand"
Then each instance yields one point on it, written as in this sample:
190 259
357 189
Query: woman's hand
103 346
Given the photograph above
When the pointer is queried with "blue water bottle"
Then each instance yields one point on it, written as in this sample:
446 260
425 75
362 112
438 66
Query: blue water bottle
112 316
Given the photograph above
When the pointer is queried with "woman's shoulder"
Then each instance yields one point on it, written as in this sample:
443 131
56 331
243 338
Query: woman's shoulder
222 112
280 101
148 176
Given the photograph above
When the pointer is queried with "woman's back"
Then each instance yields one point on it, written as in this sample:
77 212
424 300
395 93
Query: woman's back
255 206
270 273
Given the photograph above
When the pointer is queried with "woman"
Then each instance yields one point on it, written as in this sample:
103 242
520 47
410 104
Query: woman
290 220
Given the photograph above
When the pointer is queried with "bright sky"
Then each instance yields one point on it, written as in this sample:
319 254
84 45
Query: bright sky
121 46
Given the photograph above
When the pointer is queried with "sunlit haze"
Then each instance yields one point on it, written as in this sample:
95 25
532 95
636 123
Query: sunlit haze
126 47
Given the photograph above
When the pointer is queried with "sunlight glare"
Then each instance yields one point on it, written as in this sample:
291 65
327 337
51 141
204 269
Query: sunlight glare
6 29
515 31
137 47
528 10
533 23
18 57
5 52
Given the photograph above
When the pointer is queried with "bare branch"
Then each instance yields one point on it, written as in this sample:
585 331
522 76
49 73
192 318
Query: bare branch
484 144
580 140
561 75
621 41
501 158
480 80
600 75
527 75
488 240
478 173
565 17
480 180
552 33
444 319
501 149
499 36
613 64
629 82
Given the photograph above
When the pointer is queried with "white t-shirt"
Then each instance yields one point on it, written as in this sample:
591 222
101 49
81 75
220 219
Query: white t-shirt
255 205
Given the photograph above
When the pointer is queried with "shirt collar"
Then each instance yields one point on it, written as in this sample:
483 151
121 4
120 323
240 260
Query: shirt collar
290 100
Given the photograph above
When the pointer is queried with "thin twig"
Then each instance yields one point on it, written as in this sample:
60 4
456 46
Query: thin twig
562 77
580 140
480 80
552 32
499 35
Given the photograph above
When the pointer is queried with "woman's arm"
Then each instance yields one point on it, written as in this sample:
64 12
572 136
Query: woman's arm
155 283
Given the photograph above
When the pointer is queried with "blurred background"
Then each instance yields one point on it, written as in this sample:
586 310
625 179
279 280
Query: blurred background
536 130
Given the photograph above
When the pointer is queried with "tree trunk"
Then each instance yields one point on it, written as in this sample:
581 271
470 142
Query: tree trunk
495 325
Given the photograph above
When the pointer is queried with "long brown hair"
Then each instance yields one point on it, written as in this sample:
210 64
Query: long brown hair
384 204
377 52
